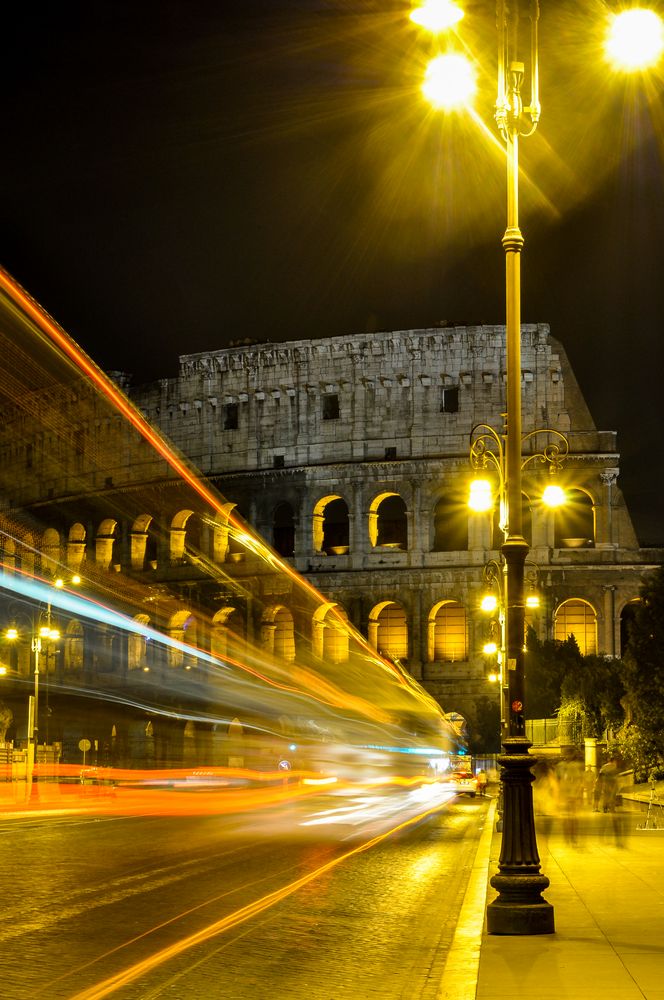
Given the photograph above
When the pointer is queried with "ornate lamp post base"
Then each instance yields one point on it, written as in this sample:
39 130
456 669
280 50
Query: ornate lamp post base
519 907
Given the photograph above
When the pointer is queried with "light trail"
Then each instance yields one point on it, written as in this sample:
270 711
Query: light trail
313 686
54 333
133 972
160 926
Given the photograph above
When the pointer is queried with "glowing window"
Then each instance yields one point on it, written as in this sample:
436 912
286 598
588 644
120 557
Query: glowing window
331 526
388 630
388 524
448 632
330 634
577 618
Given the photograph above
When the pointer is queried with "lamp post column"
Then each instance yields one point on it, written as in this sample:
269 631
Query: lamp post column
33 735
519 907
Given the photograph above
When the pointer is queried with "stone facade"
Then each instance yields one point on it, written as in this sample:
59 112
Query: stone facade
350 456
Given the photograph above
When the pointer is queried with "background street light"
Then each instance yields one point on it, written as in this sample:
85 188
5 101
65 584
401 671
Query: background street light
41 635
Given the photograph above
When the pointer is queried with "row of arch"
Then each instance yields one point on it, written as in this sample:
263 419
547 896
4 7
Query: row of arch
388 631
387 525
190 535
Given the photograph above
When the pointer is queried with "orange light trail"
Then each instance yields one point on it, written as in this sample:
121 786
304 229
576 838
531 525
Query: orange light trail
103 989
54 332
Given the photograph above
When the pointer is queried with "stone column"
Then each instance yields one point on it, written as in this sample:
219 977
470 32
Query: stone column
604 527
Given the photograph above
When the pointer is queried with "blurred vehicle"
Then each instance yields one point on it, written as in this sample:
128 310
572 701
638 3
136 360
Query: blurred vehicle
464 783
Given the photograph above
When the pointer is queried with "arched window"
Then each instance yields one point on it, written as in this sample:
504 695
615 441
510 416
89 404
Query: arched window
627 616
185 536
50 551
74 649
105 544
25 551
137 646
575 521
450 524
388 524
388 630
76 546
228 627
283 530
278 632
182 627
237 534
331 526
143 543
577 618
448 632
330 633
8 553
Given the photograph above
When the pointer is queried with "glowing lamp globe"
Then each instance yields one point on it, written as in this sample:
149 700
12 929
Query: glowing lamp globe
553 496
481 496
635 39
489 602
449 82
437 15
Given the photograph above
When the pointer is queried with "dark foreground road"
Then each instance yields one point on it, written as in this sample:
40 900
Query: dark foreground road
201 907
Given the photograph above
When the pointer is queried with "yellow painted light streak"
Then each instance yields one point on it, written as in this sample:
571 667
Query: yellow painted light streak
133 972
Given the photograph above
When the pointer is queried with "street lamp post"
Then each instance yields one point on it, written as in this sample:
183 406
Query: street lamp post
41 635
519 907
639 39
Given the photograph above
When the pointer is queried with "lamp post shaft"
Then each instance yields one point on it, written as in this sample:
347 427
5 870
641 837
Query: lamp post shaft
515 548
519 907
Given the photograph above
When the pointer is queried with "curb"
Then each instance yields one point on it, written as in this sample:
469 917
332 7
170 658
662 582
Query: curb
461 971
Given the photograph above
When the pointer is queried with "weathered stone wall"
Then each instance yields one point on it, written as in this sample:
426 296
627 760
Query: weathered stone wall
351 418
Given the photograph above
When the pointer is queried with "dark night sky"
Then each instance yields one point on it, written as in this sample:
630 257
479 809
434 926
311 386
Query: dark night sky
178 175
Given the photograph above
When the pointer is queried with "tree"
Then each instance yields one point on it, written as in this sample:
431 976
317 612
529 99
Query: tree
547 664
485 727
561 681
643 677
6 719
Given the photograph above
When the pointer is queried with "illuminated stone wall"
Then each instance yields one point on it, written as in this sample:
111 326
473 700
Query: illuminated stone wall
350 456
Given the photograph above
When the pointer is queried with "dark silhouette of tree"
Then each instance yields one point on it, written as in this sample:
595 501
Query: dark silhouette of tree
561 681
6 719
484 727
643 675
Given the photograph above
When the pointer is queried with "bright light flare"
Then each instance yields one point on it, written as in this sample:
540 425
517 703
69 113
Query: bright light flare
481 496
553 496
489 602
490 648
635 39
437 15
532 601
449 82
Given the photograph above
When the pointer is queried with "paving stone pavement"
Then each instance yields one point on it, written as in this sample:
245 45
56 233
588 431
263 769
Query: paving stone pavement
607 890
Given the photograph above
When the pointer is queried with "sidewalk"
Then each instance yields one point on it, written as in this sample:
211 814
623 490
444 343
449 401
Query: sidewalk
608 900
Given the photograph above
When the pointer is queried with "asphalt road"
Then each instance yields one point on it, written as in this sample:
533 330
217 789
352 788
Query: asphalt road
287 904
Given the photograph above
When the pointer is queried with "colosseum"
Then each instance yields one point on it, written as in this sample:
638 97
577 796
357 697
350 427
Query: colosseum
350 457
